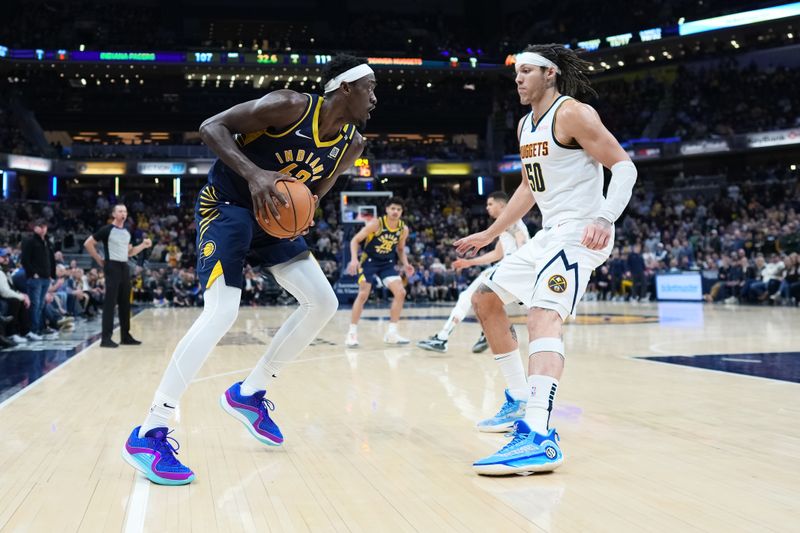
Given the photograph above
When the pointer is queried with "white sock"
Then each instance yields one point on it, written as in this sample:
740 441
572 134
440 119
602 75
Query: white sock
511 366
448 328
161 412
305 281
248 390
540 403
459 312
353 329
220 308
392 327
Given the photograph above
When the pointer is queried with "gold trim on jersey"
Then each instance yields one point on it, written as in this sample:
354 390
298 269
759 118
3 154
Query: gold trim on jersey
208 209
243 139
385 225
338 160
293 126
215 273
315 128
385 247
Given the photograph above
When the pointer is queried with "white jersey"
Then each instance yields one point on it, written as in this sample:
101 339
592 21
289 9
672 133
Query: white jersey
566 182
509 237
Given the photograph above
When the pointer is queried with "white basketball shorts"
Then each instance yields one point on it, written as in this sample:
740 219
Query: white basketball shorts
551 271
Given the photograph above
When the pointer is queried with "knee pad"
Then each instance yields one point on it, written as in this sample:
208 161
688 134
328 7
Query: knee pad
546 344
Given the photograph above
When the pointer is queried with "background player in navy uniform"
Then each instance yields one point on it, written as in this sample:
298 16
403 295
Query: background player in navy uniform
281 135
385 245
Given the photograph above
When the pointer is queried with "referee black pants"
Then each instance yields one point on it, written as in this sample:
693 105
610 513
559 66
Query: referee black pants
118 292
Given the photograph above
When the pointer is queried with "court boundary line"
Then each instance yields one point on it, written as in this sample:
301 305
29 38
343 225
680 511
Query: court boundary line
83 351
137 505
648 359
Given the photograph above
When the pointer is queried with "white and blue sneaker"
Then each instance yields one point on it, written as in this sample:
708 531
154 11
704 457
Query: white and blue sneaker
527 452
510 412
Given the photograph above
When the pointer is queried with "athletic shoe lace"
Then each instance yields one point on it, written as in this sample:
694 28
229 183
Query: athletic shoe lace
263 403
518 437
168 451
506 408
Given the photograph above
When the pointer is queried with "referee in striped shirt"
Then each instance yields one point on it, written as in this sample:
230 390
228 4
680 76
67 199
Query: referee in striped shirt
118 248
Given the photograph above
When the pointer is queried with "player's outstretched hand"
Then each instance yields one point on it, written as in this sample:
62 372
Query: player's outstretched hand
460 263
471 244
597 234
352 267
266 198
409 270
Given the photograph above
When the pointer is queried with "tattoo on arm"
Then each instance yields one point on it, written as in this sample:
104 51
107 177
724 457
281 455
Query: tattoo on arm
513 333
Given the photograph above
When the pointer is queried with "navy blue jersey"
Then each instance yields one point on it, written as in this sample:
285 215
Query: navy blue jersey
382 245
296 151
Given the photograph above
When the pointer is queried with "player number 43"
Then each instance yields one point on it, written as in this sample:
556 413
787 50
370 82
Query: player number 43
535 178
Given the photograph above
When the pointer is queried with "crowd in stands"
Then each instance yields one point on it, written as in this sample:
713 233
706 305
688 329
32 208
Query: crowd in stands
744 238
703 103
732 100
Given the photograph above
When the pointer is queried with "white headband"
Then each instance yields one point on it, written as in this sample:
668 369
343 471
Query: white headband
532 58
355 73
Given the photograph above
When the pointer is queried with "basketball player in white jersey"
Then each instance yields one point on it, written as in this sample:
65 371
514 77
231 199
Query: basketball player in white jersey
509 241
564 147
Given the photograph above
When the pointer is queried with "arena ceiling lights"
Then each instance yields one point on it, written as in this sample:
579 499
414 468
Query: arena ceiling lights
740 19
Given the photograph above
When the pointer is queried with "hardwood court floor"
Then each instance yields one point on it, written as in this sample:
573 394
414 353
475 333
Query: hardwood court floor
382 438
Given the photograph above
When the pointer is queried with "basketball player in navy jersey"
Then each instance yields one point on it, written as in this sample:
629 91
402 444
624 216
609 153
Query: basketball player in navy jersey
384 247
564 147
283 135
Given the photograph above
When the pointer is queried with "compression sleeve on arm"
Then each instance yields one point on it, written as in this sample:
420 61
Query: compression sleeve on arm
623 178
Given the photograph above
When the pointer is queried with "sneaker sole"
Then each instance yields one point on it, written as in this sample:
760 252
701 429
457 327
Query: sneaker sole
430 348
504 470
149 474
246 421
398 343
500 428
480 349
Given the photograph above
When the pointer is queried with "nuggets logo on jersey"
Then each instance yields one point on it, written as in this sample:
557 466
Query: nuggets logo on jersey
537 149
557 283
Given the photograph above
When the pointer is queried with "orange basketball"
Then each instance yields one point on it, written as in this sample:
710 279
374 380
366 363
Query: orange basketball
296 218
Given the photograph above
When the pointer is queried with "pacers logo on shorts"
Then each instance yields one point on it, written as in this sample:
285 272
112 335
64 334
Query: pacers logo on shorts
208 249
557 283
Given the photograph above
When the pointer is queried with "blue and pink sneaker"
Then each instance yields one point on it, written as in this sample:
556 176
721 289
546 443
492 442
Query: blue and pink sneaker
154 456
253 412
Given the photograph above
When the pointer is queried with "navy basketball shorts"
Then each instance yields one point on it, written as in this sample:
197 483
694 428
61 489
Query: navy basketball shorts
228 234
382 272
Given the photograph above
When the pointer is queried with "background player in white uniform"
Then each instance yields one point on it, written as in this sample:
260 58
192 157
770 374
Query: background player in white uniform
563 144
509 241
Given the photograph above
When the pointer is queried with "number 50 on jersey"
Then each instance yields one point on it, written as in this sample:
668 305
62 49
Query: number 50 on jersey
535 177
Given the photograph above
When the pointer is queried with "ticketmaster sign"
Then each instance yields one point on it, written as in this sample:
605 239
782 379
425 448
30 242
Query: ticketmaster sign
686 287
